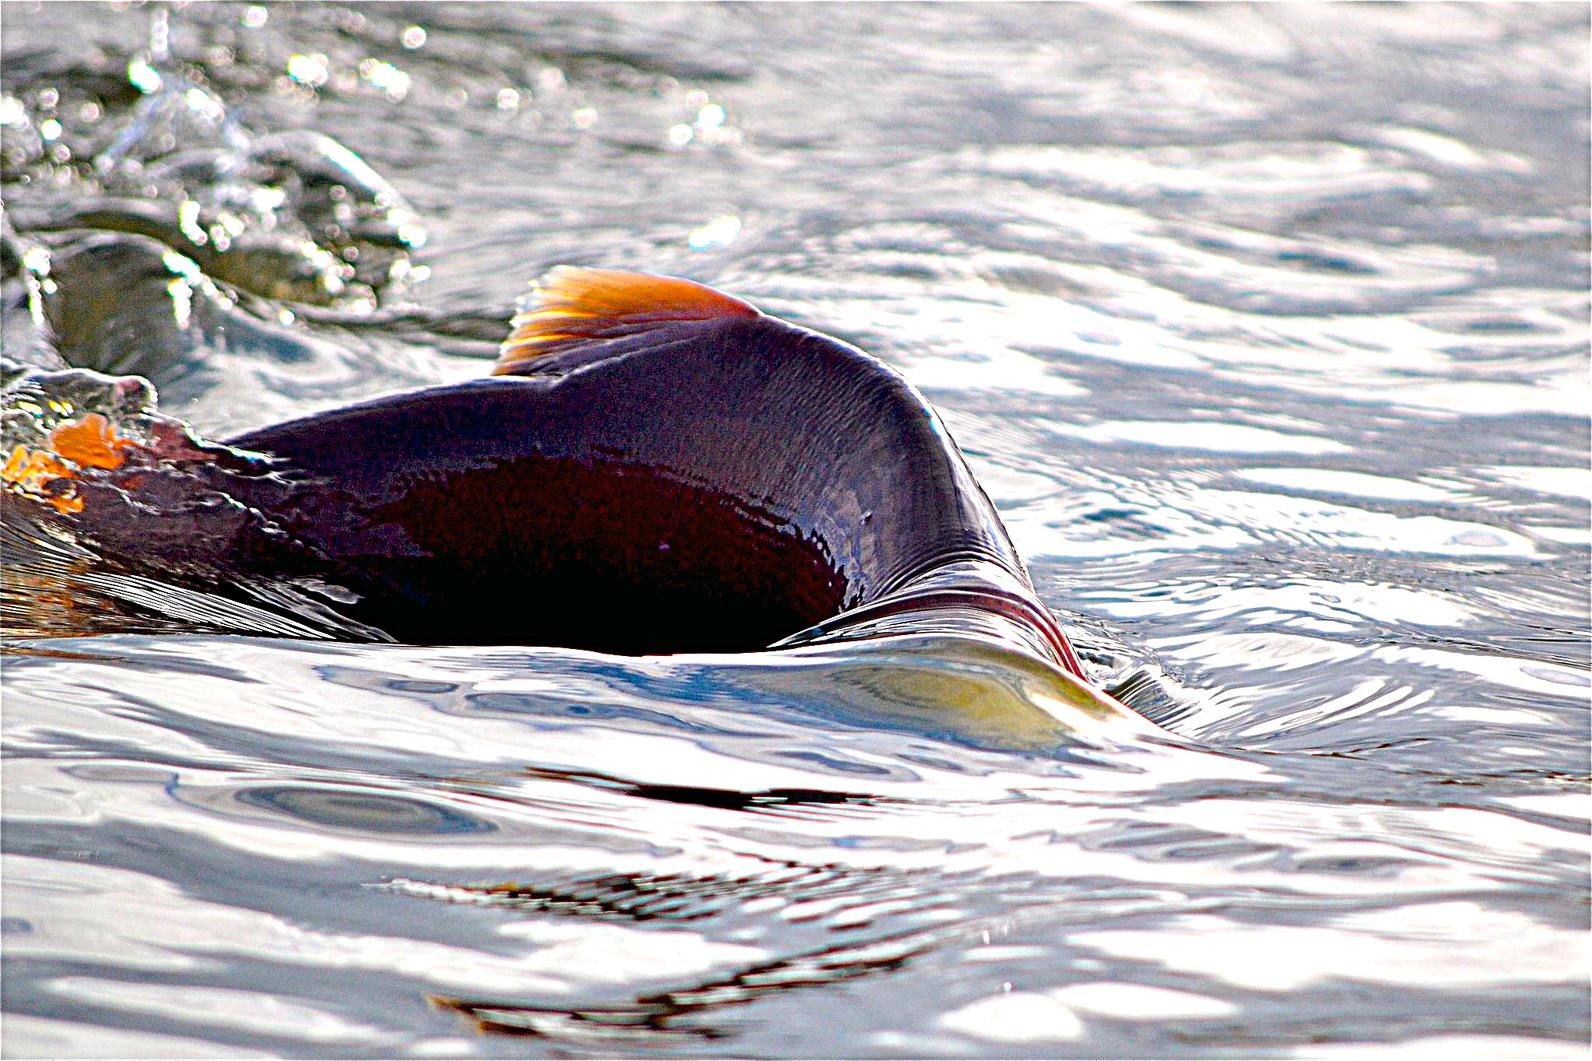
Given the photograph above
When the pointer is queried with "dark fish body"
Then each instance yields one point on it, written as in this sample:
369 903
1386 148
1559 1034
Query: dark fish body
658 468
706 485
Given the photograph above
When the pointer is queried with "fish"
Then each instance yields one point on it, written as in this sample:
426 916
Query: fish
653 467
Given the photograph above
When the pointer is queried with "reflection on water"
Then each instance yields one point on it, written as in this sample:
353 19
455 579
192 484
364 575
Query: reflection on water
1264 327
357 811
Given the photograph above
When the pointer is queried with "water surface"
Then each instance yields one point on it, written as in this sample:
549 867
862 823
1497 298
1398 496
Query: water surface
1265 328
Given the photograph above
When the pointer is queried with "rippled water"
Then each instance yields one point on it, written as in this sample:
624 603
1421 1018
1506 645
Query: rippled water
1266 329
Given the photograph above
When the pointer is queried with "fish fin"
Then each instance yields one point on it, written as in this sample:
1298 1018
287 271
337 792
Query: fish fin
32 472
570 306
92 442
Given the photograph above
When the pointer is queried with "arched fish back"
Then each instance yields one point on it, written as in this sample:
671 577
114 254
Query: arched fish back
660 468
664 476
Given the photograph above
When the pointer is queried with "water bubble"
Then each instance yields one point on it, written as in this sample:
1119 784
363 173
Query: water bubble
412 234
310 69
413 37
145 78
680 135
203 105
715 233
160 35
255 16
188 222
386 77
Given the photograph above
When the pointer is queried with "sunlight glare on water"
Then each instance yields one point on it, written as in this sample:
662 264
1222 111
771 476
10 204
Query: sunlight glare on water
1265 327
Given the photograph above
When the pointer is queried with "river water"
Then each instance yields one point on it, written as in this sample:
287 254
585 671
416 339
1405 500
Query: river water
1265 328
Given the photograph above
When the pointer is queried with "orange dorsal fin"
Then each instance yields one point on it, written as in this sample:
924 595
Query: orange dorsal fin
571 305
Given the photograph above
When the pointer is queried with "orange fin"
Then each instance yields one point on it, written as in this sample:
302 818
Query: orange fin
570 306
30 471
90 443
